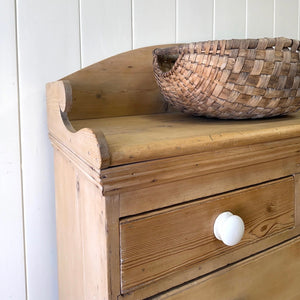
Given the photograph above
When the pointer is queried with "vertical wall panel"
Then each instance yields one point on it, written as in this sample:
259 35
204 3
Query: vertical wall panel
153 22
105 29
230 19
194 20
48 49
286 18
260 18
12 269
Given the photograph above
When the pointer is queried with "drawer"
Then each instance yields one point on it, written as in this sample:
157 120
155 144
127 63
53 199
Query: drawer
273 274
157 244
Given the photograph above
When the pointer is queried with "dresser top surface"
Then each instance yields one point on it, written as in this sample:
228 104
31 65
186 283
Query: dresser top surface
146 137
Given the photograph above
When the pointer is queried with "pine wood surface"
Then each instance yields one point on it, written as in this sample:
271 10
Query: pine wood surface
206 267
170 193
120 154
81 239
117 86
84 143
147 137
87 235
157 244
273 274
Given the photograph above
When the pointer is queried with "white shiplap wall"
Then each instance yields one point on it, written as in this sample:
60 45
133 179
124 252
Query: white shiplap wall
12 264
43 41
48 48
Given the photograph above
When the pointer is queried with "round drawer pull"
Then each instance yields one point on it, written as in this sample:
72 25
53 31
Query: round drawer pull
229 228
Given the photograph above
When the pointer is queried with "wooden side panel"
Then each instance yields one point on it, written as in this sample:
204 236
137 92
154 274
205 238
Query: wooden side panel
89 145
286 18
69 244
273 274
82 235
153 22
230 19
105 29
194 20
157 244
260 18
12 258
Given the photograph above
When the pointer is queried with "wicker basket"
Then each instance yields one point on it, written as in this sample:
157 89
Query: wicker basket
231 79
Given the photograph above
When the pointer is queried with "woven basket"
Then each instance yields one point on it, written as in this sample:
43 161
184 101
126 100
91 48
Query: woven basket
231 79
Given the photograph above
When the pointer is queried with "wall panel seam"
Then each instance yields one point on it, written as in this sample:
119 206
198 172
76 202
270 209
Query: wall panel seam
176 21
274 17
298 21
80 33
132 24
246 20
214 21
20 144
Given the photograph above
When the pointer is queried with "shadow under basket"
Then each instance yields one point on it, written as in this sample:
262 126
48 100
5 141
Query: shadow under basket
231 79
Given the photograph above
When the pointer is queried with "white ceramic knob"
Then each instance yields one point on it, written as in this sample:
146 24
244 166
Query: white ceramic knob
229 228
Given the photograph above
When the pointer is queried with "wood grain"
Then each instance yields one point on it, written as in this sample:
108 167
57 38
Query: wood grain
184 236
153 173
146 137
86 233
254 278
139 187
117 86
170 193
206 267
89 145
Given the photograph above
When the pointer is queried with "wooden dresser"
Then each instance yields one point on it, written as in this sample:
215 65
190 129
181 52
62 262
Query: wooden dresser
139 187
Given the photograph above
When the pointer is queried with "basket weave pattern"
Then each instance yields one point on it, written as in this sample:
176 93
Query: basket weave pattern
231 79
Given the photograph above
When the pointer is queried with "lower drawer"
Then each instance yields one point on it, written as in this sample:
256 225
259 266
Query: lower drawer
273 274
157 244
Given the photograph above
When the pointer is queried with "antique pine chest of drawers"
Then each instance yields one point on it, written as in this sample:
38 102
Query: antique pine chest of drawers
139 188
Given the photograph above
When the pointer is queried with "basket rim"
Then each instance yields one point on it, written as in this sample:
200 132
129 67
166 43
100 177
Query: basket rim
214 46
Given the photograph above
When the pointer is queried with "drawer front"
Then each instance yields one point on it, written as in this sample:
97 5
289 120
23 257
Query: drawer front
157 244
273 274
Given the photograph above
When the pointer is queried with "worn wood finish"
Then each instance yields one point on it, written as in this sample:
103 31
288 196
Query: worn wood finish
118 86
205 267
86 143
128 172
86 233
170 193
148 137
157 244
273 274
297 199
157 172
